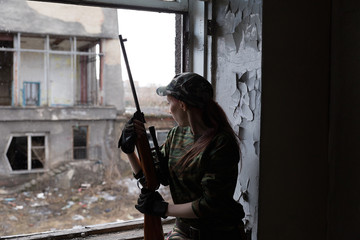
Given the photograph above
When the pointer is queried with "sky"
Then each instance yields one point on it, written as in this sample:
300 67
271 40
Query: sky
150 46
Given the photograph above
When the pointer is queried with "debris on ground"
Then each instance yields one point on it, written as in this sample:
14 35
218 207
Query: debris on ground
53 208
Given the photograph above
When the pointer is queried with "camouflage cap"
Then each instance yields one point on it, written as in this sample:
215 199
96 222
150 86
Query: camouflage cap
189 87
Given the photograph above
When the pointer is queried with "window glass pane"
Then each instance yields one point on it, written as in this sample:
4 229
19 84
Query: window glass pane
142 48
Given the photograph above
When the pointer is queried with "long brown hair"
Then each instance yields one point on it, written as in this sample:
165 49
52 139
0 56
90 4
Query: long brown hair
215 118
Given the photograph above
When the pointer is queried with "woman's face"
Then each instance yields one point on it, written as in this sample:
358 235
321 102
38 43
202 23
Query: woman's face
177 110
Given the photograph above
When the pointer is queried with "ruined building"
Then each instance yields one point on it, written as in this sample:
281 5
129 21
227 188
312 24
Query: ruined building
61 86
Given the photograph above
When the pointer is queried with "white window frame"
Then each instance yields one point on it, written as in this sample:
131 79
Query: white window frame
29 147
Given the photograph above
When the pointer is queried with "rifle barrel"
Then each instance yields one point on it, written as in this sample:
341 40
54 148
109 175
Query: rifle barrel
129 73
152 224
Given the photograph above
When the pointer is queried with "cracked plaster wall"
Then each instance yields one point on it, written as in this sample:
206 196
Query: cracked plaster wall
238 90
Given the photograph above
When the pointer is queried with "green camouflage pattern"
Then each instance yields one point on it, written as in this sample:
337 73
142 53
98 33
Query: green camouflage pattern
208 181
190 88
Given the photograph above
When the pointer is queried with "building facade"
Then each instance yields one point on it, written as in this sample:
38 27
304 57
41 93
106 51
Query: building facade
61 91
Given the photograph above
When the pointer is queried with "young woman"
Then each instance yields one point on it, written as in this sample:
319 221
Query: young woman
202 156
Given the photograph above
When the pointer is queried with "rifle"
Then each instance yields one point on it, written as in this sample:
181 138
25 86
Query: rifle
152 224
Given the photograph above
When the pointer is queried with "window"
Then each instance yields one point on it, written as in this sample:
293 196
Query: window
31 94
74 62
27 152
89 74
6 59
69 70
80 134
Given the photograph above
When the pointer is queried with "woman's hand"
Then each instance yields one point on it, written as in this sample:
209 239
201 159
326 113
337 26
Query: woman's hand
139 128
133 129
152 203
128 138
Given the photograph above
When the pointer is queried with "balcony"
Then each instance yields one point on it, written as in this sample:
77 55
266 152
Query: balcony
56 113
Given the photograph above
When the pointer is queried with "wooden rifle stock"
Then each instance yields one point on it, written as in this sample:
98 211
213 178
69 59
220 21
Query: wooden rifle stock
152 224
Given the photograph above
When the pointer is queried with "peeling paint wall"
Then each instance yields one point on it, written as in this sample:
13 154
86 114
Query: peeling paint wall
238 89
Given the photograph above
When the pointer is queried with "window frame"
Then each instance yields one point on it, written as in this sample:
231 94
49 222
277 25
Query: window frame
28 136
172 6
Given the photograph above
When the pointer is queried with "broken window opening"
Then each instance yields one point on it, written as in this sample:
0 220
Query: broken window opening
6 60
88 80
80 148
26 152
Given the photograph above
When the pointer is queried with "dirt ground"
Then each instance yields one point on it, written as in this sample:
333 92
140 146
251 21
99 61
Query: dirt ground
51 208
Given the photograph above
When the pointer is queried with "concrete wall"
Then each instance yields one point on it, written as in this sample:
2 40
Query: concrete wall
344 137
238 89
113 90
58 114
57 124
309 128
308 178
57 19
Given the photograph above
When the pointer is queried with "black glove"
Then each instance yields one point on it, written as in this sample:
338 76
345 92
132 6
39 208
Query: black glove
128 138
152 203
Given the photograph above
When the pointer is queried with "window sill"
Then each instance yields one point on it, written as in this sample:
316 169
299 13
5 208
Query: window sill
129 230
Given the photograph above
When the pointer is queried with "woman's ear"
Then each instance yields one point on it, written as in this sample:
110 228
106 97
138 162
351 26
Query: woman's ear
183 106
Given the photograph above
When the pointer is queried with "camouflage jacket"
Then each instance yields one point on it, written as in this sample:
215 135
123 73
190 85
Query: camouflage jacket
208 181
